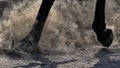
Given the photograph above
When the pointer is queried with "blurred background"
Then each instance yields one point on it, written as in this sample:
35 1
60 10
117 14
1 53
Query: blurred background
68 25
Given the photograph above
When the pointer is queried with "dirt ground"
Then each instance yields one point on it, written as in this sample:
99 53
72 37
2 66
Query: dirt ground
92 57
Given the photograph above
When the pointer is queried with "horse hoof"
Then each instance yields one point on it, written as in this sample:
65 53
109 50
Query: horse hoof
106 38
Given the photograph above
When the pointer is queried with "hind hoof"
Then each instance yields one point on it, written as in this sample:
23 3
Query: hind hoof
106 38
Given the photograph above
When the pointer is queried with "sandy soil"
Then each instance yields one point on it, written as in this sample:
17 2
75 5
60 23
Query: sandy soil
92 57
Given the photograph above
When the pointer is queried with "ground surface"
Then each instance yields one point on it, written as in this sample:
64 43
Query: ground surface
92 57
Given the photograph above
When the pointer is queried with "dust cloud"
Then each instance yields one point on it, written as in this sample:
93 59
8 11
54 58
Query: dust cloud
68 25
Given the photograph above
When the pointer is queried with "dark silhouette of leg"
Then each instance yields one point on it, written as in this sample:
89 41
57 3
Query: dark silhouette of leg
104 36
32 39
29 43
41 19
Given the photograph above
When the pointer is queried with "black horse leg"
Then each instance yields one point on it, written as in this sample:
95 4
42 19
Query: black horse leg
38 26
33 37
104 36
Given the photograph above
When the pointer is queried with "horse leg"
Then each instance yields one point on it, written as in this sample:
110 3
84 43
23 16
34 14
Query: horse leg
41 19
33 37
104 36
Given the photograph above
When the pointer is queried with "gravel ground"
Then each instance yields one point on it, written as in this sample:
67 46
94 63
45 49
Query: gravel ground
92 57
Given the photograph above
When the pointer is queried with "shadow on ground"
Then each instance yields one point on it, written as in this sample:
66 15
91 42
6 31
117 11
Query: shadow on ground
104 59
45 63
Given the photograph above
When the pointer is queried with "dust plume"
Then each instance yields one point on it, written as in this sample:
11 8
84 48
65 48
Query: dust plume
68 25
